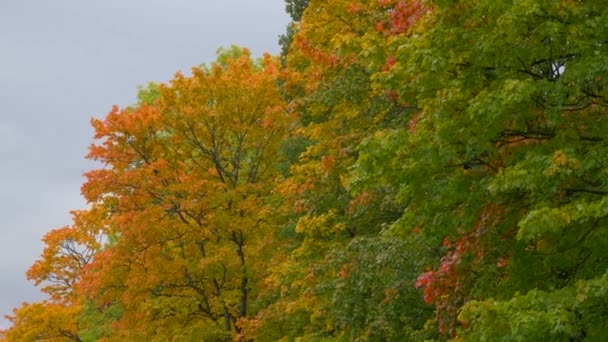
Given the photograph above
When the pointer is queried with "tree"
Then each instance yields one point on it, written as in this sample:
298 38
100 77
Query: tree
68 252
44 321
295 9
501 168
185 198
330 68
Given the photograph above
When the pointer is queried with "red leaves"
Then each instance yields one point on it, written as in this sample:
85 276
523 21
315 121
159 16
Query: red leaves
403 15
426 280
343 273
446 286
446 243
390 61
442 282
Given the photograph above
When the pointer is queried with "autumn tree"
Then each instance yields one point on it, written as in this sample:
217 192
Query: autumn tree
332 60
67 253
182 204
44 321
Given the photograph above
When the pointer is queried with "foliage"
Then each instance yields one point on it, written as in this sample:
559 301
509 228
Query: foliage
328 77
504 162
410 170
187 178
295 9
44 321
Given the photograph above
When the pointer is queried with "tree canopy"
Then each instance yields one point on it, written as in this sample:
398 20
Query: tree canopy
406 170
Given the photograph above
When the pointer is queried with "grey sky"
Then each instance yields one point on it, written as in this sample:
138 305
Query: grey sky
65 61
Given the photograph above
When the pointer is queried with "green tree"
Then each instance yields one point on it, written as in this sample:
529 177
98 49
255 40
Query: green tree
503 168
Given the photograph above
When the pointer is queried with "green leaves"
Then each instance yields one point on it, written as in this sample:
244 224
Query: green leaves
506 118
548 220
567 314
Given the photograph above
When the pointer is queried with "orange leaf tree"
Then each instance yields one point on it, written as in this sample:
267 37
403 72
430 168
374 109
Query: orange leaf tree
67 253
185 195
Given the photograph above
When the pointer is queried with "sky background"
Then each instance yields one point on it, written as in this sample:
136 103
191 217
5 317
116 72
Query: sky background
65 61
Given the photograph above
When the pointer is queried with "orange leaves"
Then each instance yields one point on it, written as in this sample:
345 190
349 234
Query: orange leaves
181 225
354 8
390 295
126 139
343 273
183 188
317 55
361 200
120 123
99 181
327 162
66 255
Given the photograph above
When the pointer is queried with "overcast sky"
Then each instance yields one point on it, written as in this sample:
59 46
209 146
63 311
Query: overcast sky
65 61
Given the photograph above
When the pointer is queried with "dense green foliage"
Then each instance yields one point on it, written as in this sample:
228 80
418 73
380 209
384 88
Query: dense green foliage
422 170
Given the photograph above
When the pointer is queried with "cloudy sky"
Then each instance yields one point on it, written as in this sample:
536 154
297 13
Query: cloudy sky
65 61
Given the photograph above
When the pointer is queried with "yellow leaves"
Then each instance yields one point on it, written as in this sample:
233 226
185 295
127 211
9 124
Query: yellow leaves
322 224
559 158
216 258
568 7
562 162
543 245
390 295
327 41
43 321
